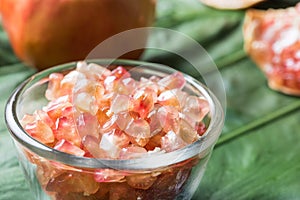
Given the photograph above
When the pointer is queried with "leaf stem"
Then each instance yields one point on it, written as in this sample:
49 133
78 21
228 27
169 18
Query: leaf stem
228 60
258 122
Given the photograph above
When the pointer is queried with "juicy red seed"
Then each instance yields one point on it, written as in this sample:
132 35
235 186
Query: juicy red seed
201 128
67 147
120 72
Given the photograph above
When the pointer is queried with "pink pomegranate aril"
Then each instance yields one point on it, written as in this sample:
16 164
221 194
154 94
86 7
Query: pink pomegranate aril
120 73
155 141
143 101
121 103
42 115
105 100
201 128
192 122
196 107
169 118
66 129
69 81
107 144
110 124
53 89
111 82
175 80
149 83
126 86
87 124
187 133
93 71
56 108
171 98
40 131
172 141
99 93
138 128
28 119
154 122
73 182
67 147
108 175
113 142
142 181
90 145
139 141
103 115
124 119
132 152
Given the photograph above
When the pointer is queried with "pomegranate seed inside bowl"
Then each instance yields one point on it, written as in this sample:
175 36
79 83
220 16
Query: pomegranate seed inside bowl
95 112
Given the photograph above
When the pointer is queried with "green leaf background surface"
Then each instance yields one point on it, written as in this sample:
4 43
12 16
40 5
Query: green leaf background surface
258 153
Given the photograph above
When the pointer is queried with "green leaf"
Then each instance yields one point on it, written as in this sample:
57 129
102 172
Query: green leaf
12 182
257 155
251 159
203 25
249 98
263 164
10 77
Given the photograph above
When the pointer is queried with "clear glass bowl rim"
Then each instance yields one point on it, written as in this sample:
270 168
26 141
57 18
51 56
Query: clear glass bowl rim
154 161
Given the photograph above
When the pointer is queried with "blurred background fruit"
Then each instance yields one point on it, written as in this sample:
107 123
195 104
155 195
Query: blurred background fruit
44 33
230 4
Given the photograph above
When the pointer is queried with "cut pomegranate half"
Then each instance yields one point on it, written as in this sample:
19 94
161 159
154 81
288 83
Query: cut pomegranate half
272 40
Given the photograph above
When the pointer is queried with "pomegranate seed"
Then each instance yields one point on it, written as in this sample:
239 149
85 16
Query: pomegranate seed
67 147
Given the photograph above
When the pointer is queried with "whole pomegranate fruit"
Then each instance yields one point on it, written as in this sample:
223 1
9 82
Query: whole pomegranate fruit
44 33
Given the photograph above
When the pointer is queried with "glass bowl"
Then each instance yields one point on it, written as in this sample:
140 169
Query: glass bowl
53 174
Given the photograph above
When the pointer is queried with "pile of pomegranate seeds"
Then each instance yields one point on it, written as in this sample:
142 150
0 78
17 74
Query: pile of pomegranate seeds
273 41
102 113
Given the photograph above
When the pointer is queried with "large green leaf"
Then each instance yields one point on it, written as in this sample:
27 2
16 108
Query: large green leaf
215 30
257 155
249 99
263 164
12 182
